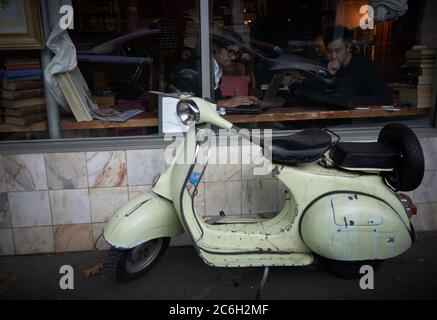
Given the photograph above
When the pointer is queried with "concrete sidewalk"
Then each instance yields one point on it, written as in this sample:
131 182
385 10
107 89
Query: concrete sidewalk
181 274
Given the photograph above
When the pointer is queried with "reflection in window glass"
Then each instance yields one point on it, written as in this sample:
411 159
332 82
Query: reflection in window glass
128 48
339 65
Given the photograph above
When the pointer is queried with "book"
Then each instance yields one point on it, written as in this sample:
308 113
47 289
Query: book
20 62
22 67
20 74
13 104
22 94
77 94
25 120
16 85
20 112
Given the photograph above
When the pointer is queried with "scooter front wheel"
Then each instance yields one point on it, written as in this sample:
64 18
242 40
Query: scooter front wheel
126 265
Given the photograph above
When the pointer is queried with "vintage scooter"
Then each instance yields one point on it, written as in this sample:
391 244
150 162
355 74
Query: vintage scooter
342 204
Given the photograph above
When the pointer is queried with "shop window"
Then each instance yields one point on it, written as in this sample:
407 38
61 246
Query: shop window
126 49
339 66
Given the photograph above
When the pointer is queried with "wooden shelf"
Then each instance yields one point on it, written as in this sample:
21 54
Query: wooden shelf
281 114
145 120
304 114
36 127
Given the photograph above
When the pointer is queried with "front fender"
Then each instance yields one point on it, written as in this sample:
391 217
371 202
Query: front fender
143 218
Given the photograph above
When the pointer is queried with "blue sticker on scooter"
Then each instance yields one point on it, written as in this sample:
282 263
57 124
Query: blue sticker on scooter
194 179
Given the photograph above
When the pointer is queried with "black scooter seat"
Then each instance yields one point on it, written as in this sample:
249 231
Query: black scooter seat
306 146
363 155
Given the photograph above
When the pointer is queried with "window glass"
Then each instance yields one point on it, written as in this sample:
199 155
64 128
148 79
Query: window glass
125 48
345 63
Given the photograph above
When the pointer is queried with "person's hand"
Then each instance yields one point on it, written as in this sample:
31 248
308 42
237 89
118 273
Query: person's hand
333 66
238 101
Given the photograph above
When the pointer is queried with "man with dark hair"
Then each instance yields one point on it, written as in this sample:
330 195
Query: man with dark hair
358 78
226 50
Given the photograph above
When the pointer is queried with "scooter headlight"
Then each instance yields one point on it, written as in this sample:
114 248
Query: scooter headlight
188 111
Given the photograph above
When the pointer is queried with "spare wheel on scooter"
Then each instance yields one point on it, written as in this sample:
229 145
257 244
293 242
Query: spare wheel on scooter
409 165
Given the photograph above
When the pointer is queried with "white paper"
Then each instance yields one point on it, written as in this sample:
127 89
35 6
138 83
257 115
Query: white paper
170 120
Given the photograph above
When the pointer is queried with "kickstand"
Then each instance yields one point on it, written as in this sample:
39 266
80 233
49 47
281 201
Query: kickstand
263 282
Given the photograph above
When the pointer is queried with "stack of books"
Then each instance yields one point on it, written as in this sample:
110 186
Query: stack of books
21 69
23 102
417 79
22 93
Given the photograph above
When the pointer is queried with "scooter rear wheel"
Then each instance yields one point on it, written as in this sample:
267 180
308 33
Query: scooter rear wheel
126 265
351 269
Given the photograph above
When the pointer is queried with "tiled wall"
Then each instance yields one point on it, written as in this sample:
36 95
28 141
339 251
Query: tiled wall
60 202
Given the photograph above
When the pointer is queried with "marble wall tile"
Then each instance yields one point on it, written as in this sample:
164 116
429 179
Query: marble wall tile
106 169
199 200
429 147
70 206
224 165
25 172
75 237
259 196
144 165
30 209
169 153
105 201
254 164
34 240
6 243
426 218
2 176
224 196
101 244
5 213
138 190
427 191
66 171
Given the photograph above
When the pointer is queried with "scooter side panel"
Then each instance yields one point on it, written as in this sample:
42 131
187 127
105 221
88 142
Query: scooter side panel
354 227
307 182
144 218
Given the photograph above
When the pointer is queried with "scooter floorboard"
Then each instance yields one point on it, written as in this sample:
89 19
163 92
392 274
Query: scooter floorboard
257 259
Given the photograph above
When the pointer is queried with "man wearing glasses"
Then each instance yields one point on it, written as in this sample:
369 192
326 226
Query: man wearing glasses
186 75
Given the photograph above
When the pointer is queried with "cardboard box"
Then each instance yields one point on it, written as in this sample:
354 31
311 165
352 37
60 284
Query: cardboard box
105 101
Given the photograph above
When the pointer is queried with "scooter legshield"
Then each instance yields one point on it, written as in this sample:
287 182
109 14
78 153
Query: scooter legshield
354 227
143 218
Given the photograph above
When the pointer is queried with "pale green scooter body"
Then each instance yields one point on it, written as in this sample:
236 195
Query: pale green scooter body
340 215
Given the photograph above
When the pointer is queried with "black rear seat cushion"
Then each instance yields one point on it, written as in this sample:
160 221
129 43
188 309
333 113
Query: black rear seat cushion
362 155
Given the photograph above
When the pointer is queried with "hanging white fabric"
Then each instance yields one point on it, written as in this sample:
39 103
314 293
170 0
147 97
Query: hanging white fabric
61 45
